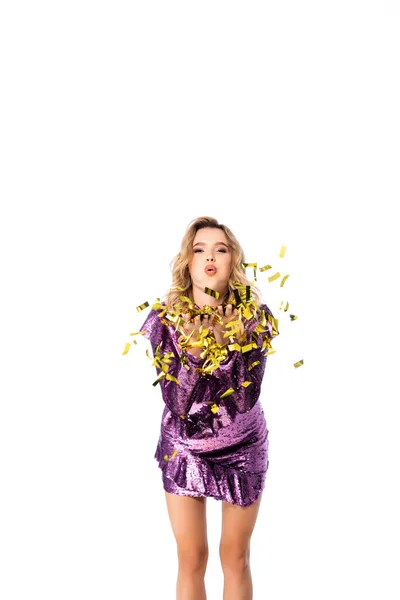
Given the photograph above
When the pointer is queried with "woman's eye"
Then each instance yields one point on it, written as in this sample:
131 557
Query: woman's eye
200 250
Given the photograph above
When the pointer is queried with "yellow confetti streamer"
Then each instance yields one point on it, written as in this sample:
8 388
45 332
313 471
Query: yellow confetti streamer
293 317
282 252
215 408
227 393
175 452
142 306
126 349
265 268
254 265
212 352
254 364
274 323
248 347
246 383
235 347
299 363
172 378
211 292
283 280
186 299
273 277
158 379
231 333
270 351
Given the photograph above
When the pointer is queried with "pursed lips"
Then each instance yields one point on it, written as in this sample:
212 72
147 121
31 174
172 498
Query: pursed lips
210 269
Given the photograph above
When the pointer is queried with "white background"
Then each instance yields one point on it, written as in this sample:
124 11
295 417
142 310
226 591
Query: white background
120 123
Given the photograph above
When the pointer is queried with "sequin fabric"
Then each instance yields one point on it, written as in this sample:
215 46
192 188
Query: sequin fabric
221 454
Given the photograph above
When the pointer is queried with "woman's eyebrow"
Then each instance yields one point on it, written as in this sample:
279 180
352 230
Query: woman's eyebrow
216 244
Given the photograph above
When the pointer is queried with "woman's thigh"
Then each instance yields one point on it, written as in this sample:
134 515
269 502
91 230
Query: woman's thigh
188 521
238 523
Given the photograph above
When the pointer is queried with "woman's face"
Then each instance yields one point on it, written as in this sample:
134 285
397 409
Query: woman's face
210 249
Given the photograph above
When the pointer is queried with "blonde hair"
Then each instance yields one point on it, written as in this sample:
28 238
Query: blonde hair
180 265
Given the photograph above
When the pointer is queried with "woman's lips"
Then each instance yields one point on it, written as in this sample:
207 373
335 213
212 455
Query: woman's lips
210 270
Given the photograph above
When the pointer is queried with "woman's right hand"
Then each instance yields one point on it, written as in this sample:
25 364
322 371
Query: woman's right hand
194 326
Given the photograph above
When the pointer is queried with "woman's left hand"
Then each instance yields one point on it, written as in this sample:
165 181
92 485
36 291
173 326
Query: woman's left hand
219 328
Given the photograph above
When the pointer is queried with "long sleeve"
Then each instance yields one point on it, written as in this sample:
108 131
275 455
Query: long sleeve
235 369
178 398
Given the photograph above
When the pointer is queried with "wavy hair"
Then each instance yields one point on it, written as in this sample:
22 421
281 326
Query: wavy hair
180 265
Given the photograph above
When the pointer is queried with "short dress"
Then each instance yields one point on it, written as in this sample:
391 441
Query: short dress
204 452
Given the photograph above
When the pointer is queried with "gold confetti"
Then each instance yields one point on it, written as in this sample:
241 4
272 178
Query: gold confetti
283 280
126 350
158 379
274 322
215 408
211 352
248 347
186 299
282 252
265 268
211 292
142 306
299 363
254 364
293 317
273 277
254 265
172 378
175 452
246 383
227 393
235 347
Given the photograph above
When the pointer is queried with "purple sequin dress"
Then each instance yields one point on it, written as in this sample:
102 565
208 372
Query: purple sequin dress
221 454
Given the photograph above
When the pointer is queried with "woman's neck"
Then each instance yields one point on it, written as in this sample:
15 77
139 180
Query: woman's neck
202 299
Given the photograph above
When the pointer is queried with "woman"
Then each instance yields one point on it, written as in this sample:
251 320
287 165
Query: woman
209 340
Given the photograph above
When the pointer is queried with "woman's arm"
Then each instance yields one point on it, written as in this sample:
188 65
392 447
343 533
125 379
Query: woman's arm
239 368
178 397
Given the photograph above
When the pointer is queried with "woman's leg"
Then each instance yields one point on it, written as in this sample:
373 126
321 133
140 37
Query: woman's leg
237 526
188 521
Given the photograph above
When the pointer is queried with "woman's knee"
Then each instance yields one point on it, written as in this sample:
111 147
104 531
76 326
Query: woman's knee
193 558
234 557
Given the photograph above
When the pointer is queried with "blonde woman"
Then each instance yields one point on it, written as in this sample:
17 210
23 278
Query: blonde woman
214 437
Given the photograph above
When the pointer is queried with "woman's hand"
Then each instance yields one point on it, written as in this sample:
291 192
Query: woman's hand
219 328
188 327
